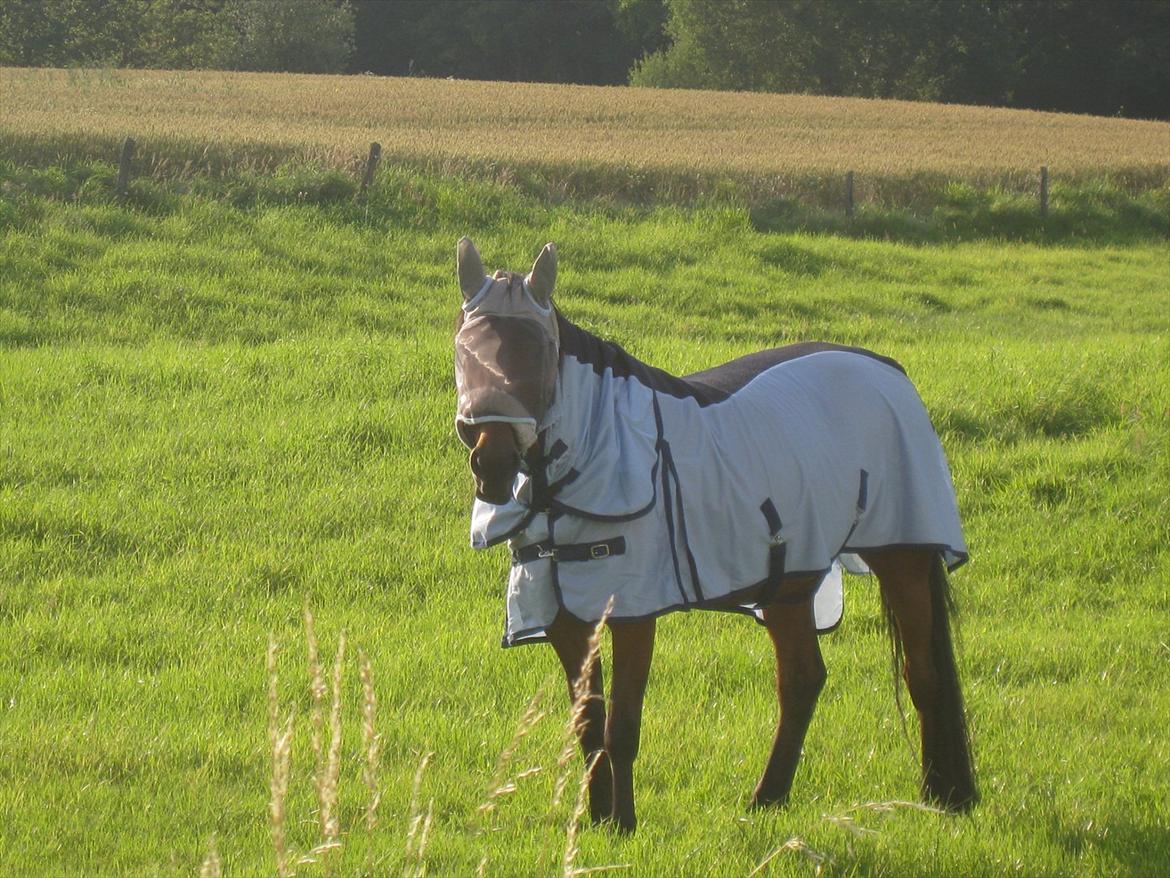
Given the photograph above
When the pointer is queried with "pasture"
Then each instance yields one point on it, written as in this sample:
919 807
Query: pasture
216 411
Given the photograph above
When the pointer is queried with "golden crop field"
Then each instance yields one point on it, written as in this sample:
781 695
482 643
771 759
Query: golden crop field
510 124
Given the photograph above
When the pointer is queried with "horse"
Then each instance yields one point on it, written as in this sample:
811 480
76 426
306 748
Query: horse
625 492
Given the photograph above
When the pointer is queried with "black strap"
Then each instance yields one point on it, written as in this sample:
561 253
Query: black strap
571 551
776 556
542 491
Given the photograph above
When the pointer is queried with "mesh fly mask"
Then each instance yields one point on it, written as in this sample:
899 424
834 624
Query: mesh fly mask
506 353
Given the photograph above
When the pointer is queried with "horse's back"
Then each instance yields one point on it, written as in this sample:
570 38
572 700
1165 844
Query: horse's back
721 382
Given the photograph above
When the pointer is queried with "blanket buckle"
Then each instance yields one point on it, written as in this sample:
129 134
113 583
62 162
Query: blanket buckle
599 550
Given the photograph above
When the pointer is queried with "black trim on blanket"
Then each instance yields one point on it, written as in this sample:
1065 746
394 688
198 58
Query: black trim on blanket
669 473
519 528
560 508
668 508
708 387
672 470
739 601
963 557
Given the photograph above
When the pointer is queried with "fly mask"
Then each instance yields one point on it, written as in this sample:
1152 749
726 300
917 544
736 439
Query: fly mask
506 352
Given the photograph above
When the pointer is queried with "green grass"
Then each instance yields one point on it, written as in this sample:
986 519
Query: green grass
925 209
218 404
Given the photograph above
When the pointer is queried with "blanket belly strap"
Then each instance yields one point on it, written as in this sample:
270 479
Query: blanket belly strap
776 558
571 551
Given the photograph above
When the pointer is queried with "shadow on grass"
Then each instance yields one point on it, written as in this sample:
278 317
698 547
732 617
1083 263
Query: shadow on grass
1087 213
1137 848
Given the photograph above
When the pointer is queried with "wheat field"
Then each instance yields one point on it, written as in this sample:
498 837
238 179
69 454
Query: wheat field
334 118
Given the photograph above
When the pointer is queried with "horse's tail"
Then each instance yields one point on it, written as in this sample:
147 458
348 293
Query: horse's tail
949 776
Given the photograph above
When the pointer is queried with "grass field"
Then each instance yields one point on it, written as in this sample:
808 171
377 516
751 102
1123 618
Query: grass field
231 397
212 414
572 139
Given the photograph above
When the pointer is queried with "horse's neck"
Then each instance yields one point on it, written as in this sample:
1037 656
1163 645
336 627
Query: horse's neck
587 348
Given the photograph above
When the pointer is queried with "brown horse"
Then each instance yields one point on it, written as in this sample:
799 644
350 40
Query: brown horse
588 462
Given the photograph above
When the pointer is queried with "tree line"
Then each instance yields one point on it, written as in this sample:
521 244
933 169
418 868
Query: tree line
1108 57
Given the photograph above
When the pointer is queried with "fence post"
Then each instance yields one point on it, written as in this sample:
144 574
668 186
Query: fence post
849 194
1044 192
371 166
124 167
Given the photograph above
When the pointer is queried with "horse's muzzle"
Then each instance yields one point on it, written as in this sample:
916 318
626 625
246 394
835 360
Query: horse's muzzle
494 460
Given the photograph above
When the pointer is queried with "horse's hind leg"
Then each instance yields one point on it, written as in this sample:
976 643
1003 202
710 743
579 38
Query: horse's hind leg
915 593
570 638
800 676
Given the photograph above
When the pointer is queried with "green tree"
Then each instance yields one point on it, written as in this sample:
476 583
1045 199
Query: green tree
183 35
69 33
299 36
583 41
1074 55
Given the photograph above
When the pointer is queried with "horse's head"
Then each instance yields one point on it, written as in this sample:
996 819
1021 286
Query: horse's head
506 350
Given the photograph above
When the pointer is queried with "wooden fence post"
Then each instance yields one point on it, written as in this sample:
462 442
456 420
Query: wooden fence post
1044 192
371 166
849 194
124 167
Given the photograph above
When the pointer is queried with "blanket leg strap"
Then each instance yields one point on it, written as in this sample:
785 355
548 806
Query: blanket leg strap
776 558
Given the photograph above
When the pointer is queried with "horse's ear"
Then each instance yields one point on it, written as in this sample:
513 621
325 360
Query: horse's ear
544 275
471 273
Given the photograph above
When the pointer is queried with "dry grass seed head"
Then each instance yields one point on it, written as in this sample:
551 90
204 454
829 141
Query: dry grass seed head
330 827
575 818
581 696
317 694
800 846
371 742
211 867
500 785
416 818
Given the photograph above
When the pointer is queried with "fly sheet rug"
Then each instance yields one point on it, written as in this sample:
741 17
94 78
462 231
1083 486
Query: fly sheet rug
706 491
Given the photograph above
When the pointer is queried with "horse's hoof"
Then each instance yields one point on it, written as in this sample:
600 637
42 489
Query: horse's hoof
954 802
625 829
760 801
962 804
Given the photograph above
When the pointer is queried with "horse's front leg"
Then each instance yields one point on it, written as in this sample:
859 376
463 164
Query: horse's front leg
633 647
800 676
570 638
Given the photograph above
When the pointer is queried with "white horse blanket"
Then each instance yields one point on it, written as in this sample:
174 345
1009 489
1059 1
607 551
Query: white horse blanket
704 492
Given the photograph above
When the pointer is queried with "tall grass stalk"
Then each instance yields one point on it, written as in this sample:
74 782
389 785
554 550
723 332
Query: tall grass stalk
317 691
419 825
371 742
581 696
579 807
501 784
211 867
330 826
280 741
